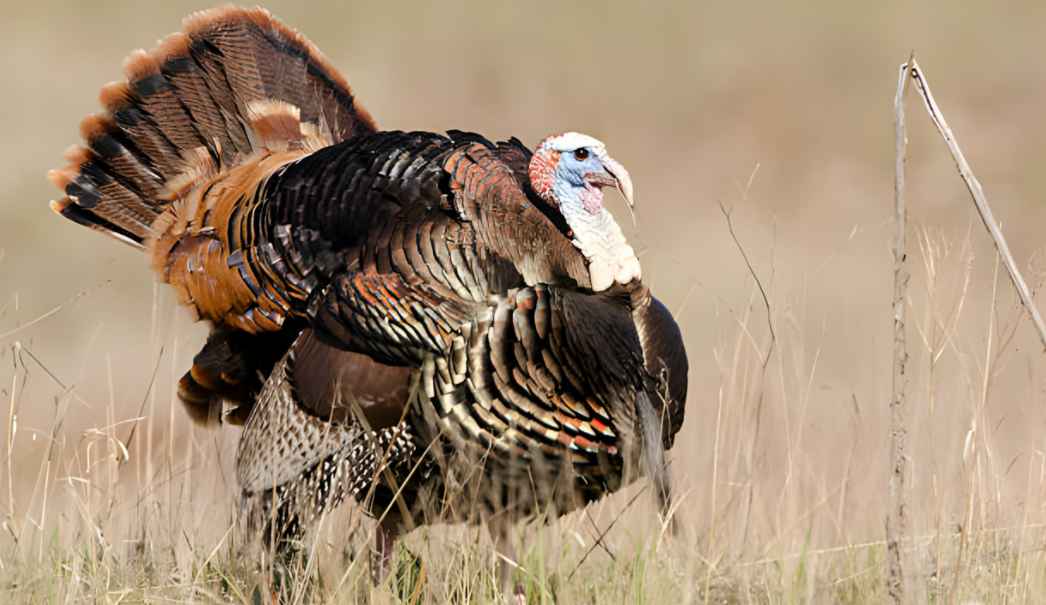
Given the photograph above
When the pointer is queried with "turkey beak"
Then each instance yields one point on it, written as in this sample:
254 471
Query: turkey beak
623 182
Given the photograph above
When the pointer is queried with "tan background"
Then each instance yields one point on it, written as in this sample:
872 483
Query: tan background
692 98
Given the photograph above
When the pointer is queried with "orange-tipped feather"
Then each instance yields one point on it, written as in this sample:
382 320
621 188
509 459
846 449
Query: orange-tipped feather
96 125
184 110
114 96
140 64
60 178
172 46
76 155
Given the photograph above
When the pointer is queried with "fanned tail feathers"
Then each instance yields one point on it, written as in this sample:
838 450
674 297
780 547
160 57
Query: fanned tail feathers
233 83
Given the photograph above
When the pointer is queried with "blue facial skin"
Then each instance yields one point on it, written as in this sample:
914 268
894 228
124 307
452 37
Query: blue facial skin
574 170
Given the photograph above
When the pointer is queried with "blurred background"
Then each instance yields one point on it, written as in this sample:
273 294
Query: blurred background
780 113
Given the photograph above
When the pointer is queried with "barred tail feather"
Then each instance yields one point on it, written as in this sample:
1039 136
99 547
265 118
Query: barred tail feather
232 81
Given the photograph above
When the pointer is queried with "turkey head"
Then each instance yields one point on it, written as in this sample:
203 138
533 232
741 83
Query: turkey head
569 172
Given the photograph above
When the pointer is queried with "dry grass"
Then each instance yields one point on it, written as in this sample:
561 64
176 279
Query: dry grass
107 494
133 510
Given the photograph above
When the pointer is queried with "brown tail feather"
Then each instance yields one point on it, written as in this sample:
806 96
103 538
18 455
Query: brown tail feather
230 369
196 97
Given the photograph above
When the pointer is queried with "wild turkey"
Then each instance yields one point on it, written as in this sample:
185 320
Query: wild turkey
450 328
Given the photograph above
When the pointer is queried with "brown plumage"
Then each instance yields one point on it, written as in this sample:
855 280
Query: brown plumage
392 312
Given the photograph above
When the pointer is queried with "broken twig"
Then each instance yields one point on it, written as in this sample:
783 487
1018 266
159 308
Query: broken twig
974 186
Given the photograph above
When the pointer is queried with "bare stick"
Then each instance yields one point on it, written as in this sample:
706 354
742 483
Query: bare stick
758 283
974 186
896 522
766 358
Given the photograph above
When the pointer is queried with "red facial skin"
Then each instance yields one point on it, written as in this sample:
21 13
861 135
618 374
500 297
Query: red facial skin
543 174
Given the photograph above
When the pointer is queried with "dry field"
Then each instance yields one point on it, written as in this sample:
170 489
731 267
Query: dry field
781 114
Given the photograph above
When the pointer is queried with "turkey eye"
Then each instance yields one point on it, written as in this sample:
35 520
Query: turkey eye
581 154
